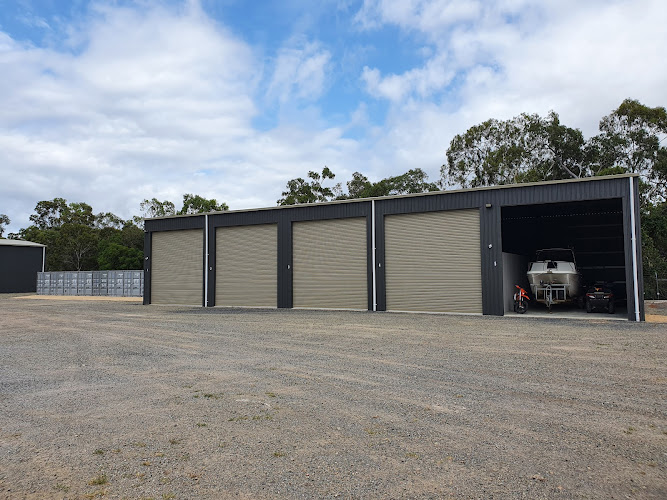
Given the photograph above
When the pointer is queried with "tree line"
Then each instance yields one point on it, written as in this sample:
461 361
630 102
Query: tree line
532 148
526 148
80 240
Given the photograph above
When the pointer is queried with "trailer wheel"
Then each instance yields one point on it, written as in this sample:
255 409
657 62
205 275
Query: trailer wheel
589 307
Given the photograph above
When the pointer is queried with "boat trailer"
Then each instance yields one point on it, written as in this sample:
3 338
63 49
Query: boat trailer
551 294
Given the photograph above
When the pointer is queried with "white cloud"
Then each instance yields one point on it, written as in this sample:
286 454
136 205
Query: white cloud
579 59
159 101
422 15
150 102
300 72
423 82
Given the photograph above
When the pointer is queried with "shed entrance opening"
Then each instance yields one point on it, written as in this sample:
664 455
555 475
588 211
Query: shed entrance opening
592 229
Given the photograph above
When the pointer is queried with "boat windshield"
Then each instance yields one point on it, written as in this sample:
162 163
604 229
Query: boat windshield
564 254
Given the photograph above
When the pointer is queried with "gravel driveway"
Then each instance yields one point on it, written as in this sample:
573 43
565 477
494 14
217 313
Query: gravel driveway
121 400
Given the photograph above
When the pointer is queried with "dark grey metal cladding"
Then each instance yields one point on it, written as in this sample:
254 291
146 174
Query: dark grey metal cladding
369 256
489 234
204 281
491 246
19 266
284 260
561 192
284 217
147 268
175 223
491 223
380 278
596 189
489 201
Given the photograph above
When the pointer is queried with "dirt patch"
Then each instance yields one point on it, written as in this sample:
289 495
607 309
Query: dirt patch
116 399
658 307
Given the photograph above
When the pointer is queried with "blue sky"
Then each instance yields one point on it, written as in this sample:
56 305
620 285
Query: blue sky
113 102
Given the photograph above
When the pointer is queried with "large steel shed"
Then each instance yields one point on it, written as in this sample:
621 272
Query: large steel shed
430 252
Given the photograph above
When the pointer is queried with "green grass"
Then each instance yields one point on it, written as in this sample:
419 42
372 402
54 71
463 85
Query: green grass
99 480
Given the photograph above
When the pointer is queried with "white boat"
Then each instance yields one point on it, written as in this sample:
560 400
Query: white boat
554 277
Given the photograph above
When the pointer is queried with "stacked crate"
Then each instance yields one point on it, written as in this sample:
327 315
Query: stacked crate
43 283
92 283
59 284
135 286
101 283
85 283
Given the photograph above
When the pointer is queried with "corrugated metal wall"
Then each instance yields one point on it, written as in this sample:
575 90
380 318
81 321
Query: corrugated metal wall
177 270
330 264
488 201
432 262
246 269
19 266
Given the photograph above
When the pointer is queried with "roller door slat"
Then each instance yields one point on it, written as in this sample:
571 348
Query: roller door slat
177 267
329 262
432 262
247 266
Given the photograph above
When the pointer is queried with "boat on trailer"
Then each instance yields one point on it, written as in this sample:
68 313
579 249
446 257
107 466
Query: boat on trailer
554 277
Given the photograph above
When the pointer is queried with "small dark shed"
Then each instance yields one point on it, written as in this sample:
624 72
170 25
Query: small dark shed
20 261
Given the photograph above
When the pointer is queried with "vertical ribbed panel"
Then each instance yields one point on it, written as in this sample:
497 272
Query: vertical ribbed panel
432 262
177 267
329 261
246 266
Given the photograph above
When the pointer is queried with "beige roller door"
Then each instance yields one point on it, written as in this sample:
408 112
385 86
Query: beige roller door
432 262
246 266
329 262
177 267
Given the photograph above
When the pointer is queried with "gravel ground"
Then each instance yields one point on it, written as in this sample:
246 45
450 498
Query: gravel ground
121 400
